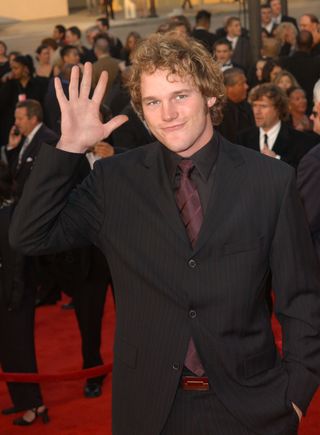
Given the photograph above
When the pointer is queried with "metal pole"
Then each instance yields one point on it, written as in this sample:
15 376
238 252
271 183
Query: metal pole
152 10
255 27
284 7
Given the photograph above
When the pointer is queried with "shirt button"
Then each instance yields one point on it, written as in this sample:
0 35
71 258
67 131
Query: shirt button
192 263
175 366
192 314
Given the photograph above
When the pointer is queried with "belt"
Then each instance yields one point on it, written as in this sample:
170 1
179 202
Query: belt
191 383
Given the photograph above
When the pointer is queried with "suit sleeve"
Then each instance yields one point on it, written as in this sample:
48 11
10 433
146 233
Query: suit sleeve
308 177
53 215
296 282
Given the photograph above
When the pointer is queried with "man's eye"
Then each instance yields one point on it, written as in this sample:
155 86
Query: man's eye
152 103
181 97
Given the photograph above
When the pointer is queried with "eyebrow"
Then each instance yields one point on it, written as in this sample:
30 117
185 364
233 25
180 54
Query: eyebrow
178 92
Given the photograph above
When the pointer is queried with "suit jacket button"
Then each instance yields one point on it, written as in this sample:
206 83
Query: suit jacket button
192 314
175 366
192 263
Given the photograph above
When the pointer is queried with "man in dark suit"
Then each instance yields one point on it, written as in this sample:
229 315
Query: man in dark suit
241 48
277 15
237 112
268 25
25 140
271 135
201 30
308 176
222 53
192 227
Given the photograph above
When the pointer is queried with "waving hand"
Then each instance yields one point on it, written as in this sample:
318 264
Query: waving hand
81 127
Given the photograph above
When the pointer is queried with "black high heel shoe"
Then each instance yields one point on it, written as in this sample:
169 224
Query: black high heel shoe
42 414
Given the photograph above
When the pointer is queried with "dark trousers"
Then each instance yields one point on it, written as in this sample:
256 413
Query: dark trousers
89 300
202 413
17 350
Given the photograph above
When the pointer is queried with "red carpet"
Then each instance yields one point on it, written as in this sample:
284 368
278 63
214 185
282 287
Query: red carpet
58 349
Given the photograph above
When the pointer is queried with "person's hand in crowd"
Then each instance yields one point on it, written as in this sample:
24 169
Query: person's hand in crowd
268 152
7 76
103 149
81 127
14 138
297 410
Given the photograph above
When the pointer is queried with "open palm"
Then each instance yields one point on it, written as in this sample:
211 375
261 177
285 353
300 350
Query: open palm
81 126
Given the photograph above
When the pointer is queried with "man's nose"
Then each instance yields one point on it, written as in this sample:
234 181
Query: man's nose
168 111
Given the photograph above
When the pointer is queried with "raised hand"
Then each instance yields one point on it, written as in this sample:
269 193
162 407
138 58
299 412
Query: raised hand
81 127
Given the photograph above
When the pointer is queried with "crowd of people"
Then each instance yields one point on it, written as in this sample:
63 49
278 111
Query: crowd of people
270 105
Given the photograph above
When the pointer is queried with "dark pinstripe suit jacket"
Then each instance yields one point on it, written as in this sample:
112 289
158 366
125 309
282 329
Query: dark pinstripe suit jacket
254 223
308 176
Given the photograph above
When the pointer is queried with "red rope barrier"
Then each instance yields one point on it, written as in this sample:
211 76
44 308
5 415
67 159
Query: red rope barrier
53 377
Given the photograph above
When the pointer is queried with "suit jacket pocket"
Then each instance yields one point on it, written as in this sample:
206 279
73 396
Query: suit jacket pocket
126 353
238 247
260 362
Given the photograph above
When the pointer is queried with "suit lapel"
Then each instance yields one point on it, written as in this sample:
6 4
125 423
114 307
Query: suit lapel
31 150
282 141
227 179
158 187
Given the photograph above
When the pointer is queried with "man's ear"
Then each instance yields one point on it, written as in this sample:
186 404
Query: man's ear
211 101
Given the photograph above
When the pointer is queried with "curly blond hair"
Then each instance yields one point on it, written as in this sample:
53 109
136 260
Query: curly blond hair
184 57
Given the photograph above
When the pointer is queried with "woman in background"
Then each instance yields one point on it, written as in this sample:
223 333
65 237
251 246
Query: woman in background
285 80
298 103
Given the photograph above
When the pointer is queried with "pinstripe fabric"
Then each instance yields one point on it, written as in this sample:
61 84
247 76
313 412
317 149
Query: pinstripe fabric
254 224
201 413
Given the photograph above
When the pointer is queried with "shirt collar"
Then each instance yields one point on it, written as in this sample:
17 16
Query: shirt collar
32 134
272 134
204 159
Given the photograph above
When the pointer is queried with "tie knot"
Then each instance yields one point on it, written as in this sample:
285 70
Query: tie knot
186 166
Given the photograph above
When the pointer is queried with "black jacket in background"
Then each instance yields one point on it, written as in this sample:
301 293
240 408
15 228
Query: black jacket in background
291 145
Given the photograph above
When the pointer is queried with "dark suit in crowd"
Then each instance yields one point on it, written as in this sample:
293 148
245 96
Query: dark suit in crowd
166 291
132 133
84 274
308 179
21 173
236 117
242 53
291 145
288 19
205 37
17 294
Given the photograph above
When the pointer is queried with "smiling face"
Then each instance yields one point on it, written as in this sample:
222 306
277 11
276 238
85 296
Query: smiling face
285 82
176 112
